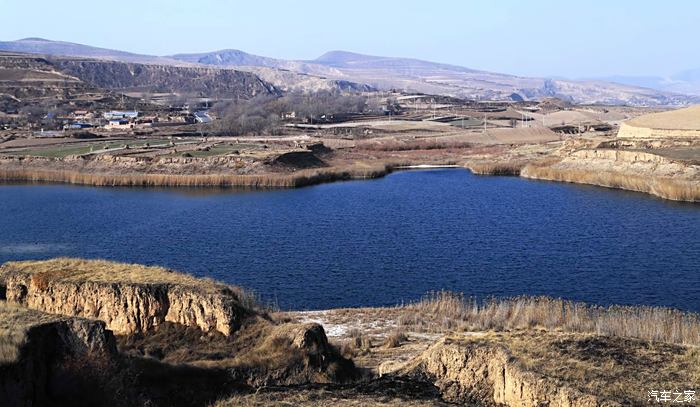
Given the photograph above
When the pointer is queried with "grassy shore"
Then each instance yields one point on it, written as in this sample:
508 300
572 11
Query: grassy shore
496 168
445 311
667 188
270 180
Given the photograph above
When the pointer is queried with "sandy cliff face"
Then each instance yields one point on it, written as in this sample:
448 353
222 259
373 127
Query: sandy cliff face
486 375
125 307
635 162
625 169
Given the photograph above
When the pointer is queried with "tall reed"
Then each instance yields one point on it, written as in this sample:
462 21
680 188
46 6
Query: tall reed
668 188
443 311
496 168
271 180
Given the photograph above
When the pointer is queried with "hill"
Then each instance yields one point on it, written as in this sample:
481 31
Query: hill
27 78
416 75
686 82
681 119
338 69
62 48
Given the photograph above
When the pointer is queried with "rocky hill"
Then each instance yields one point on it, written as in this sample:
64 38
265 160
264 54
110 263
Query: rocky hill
165 78
443 79
353 71
30 76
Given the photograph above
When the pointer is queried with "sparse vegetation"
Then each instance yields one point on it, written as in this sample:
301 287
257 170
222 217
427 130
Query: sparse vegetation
618 369
445 311
14 323
262 114
384 392
395 339
103 271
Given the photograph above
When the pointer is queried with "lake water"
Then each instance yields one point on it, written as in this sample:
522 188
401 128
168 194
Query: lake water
379 242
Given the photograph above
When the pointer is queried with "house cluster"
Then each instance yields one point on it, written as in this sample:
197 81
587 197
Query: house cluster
125 120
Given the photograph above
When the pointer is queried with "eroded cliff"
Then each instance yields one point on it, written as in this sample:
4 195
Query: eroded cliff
467 371
128 298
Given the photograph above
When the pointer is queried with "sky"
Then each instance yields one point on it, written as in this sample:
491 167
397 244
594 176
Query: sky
567 38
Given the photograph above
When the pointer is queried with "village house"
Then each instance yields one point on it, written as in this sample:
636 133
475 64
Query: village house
116 114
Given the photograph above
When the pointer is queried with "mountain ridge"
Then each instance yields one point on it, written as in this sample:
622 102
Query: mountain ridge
379 72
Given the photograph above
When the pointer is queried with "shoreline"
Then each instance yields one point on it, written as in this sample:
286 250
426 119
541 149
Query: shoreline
665 188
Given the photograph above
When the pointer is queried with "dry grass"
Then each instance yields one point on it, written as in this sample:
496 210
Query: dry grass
316 397
102 271
680 119
14 324
395 339
496 168
270 180
359 343
623 370
413 144
677 190
445 311
386 391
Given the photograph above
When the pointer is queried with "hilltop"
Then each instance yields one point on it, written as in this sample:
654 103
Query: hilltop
681 119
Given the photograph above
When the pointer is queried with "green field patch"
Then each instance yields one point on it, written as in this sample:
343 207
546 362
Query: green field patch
467 122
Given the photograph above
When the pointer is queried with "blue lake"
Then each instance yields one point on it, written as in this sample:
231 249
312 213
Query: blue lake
379 242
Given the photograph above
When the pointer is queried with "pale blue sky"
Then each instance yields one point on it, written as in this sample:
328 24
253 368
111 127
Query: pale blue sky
537 37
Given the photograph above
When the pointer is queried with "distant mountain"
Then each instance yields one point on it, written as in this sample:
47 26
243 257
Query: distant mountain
60 48
416 75
685 82
352 60
348 70
651 82
229 57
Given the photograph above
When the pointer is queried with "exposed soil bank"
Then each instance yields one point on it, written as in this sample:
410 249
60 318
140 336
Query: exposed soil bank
481 374
181 341
86 289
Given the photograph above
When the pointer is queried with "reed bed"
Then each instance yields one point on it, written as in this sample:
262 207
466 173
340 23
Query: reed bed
270 180
496 168
673 189
445 311
417 144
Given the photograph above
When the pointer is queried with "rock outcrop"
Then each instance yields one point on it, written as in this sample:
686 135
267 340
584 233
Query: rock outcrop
484 374
129 299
